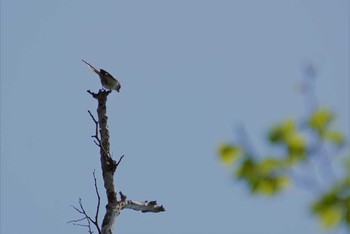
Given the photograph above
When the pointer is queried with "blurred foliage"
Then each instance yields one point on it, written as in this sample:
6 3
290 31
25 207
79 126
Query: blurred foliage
229 153
320 120
288 135
271 174
265 176
333 207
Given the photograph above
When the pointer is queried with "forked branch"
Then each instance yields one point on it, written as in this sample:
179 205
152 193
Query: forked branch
86 217
144 207
109 166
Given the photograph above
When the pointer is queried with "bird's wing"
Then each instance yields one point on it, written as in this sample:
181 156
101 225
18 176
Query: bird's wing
92 67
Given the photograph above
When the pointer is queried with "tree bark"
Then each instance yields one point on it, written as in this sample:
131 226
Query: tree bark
109 166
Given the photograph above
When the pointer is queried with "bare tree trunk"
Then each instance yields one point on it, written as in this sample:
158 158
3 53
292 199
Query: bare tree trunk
109 166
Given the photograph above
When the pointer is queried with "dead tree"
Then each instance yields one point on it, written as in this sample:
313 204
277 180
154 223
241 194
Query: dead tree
108 166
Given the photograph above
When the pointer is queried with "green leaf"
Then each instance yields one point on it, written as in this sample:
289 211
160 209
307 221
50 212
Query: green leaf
247 170
229 153
279 132
267 165
334 206
320 119
335 137
266 186
296 144
264 177
331 217
327 200
269 185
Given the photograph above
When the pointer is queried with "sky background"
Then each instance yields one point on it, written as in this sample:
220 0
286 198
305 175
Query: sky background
191 71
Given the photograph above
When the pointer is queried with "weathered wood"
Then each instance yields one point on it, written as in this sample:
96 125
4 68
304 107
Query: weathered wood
109 166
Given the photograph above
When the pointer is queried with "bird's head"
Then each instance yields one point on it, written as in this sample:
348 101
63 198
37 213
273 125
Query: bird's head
103 72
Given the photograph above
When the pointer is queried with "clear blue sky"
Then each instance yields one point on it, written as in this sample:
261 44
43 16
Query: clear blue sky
190 71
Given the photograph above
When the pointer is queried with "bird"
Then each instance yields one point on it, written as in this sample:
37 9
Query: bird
107 80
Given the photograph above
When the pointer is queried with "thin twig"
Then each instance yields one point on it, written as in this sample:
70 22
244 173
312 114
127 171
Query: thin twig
96 130
93 118
120 159
76 220
77 208
86 217
97 141
81 225
98 204
245 140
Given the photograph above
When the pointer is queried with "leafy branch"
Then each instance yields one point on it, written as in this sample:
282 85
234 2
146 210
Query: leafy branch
304 146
